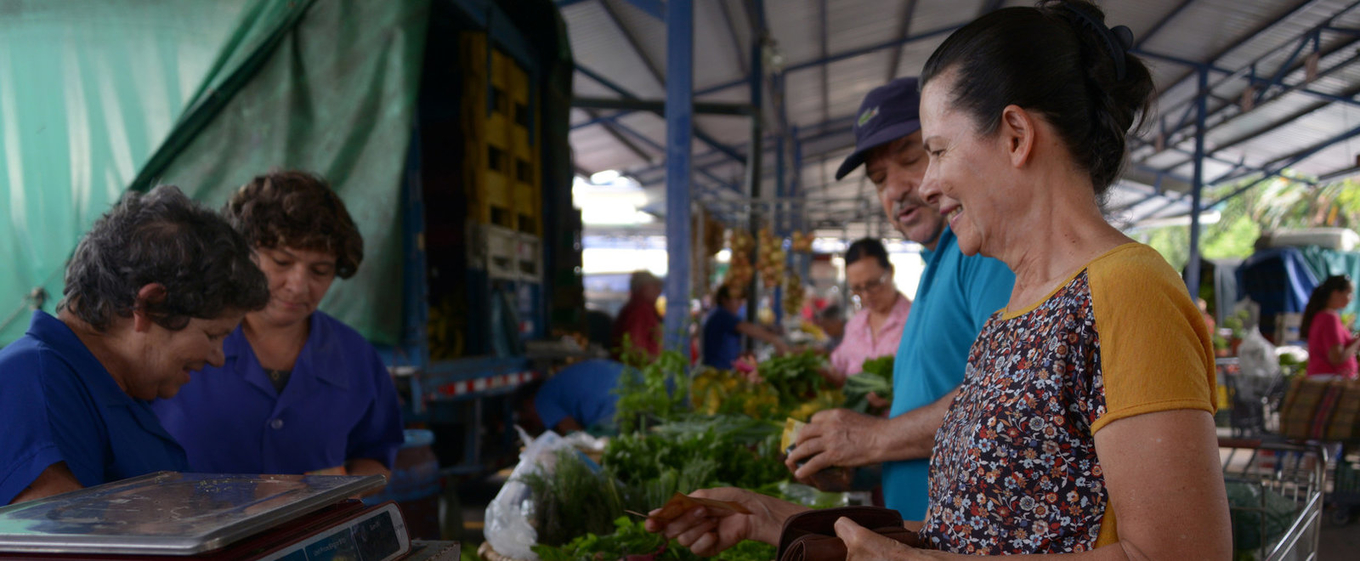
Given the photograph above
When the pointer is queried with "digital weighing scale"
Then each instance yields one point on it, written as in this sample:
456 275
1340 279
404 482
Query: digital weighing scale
193 516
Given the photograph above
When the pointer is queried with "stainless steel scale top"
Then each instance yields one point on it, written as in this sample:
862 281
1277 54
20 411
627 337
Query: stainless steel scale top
170 513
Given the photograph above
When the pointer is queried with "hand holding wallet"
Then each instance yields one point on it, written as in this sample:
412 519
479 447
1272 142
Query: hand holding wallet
811 535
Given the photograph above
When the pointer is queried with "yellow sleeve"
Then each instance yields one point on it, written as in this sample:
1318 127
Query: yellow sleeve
1155 350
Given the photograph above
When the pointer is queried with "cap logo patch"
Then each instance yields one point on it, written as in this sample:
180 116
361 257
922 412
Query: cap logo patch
867 115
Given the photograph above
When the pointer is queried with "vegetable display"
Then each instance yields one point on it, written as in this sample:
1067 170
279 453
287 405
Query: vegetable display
679 431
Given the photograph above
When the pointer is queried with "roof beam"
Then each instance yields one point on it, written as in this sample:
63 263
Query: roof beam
1298 7
826 69
654 8
658 105
738 54
655 71
658 147
1211 63
609 127
1278 165
756 15
1222 116
699 134
633 42
1162 23
852 53
903 27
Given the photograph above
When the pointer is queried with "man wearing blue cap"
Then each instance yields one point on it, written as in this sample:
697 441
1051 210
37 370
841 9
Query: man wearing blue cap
955 297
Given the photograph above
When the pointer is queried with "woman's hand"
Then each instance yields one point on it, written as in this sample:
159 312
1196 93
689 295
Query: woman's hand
861 543
708 533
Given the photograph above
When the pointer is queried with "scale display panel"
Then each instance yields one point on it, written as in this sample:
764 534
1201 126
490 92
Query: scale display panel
170 513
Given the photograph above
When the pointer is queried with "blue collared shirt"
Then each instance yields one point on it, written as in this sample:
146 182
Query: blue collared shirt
339 404
956 296
583 391
59 404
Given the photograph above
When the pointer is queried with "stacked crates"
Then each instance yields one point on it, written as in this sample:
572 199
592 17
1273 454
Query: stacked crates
502 178
502 170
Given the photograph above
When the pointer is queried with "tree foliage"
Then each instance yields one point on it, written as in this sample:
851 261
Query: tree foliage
1275 205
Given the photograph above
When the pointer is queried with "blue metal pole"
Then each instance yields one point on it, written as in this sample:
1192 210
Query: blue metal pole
1197 188
755 165
679 128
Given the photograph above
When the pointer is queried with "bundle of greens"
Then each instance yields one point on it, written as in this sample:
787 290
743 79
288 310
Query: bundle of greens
877 377
574 498
796 377
742 451
655 393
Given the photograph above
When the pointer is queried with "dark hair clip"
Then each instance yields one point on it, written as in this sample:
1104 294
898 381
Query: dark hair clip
1118 40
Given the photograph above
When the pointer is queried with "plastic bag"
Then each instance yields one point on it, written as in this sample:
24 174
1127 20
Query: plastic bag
507 517
1260 366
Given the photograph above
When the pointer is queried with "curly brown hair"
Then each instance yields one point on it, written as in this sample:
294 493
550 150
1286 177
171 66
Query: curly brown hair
299 210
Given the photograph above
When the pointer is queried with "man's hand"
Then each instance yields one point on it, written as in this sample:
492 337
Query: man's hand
708 533
878 402
838 437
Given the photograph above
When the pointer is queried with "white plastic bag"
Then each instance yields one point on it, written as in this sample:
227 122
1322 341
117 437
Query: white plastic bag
1260 367
507 517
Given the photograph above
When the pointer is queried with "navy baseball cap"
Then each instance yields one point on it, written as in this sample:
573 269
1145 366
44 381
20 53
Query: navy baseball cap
888 113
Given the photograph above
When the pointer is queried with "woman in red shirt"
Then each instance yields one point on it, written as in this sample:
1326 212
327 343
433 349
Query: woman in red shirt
1331 347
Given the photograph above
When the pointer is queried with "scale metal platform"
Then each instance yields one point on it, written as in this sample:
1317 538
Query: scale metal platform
199 517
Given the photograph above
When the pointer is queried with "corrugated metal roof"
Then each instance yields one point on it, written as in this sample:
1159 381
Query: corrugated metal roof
1241 39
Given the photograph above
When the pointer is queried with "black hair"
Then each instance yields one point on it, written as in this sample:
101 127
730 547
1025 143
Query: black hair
723 294
832 311
866 248
161 237
1318 299
1051 59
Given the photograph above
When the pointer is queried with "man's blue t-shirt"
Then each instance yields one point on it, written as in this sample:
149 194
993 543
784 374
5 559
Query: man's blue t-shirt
59 404
956 296
583 391
722 342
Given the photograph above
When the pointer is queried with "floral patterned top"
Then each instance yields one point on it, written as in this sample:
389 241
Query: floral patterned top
1015 469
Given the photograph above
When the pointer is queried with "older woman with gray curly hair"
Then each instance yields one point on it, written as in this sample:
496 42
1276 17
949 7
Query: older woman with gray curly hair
151 292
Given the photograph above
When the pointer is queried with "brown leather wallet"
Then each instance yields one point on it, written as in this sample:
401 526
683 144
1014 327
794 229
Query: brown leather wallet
811 535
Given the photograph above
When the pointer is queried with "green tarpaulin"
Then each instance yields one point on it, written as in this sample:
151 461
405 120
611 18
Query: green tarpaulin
98 96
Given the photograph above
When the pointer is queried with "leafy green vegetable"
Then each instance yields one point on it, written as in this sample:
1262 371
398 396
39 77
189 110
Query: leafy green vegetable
877 377
656 393
629 538
797 377
573 499
744 453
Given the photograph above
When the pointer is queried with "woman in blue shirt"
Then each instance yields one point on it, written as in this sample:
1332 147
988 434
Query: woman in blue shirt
151 291
300 392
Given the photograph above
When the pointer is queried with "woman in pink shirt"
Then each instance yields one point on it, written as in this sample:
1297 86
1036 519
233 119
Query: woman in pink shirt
877 328
1331 347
